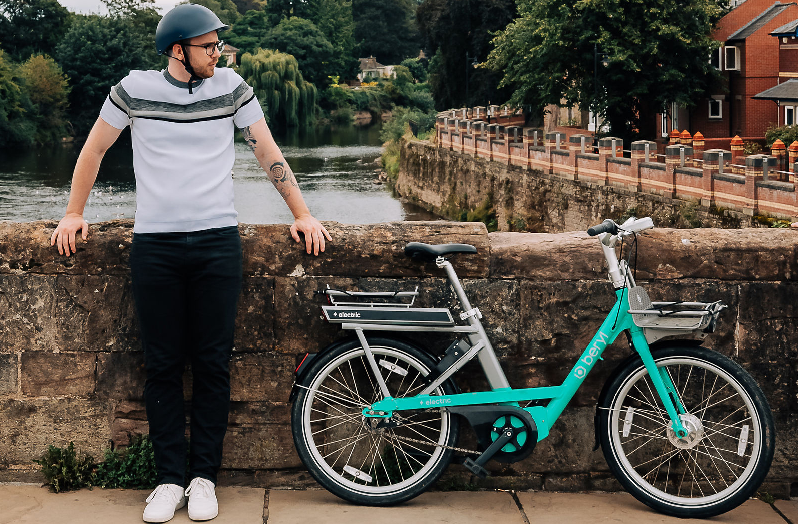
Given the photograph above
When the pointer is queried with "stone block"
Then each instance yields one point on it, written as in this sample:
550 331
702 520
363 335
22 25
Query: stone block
259 437
52 374
27 427
66 313
121 375
261 377
9 368
256 314
360 250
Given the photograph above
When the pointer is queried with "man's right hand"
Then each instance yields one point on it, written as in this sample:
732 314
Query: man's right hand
64 234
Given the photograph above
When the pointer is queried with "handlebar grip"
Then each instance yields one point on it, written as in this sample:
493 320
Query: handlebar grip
608 226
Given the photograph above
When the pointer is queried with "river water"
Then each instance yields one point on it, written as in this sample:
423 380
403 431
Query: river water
336 168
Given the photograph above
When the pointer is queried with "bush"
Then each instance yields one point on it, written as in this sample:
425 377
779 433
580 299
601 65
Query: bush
395 128
64 470
787 134
343 115
132 468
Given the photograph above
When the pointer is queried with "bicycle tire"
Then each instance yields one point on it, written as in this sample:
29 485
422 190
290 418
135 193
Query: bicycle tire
727 453
383 469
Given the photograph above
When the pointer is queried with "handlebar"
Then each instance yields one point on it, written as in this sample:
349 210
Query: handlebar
608 226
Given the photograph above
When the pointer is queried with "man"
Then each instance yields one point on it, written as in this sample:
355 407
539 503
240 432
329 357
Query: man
186 253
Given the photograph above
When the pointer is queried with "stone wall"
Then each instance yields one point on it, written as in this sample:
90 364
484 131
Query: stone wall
71 368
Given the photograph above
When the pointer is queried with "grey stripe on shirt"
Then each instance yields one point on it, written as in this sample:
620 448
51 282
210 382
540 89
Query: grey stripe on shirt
217 107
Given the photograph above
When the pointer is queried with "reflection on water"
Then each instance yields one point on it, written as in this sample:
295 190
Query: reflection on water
336 168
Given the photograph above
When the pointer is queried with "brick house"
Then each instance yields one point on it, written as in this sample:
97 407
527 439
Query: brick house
753 60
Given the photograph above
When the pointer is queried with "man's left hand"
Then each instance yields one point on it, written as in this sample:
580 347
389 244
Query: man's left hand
314 232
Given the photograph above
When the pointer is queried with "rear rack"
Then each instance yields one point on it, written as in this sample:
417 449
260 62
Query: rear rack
401 299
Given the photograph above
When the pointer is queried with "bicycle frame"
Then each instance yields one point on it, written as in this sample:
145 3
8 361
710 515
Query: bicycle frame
618 320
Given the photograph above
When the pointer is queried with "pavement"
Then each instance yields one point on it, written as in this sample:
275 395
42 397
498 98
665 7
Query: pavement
32 504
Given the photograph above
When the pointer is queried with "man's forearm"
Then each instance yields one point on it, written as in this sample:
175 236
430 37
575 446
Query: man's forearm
284 181
86 169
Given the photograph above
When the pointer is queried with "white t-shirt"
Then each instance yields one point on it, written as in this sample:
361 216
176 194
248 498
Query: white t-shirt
183 150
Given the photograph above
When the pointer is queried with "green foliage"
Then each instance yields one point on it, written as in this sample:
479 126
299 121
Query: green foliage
386 29
372 99
390 159
290 100
97 53
452 29
751 148
302 39
343 115
417 68
787 134
47 89
64 470
16 110
656 54
395 128
226 10
484 213
248 32
132 468
31 26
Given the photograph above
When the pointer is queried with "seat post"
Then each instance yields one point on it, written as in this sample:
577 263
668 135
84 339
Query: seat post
487 357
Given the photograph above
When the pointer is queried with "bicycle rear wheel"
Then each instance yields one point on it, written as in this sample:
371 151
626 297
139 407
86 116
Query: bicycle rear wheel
727 452
369 460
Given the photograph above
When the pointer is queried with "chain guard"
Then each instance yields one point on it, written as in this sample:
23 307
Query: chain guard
487 422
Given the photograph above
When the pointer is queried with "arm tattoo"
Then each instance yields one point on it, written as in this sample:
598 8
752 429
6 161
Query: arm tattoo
248 138
282 178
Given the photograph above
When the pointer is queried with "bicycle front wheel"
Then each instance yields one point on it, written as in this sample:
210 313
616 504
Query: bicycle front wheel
723 459
371 461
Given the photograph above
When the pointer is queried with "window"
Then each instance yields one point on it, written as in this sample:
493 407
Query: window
715 108
732 62
664 123
675 116
789 115
716 59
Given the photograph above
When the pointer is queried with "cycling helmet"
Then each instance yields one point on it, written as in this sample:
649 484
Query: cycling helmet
183 22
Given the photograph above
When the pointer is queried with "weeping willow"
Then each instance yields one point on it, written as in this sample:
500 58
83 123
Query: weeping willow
289 99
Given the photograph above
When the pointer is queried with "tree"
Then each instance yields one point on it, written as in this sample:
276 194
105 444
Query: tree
96 53
458 33
417 68
288 98
335 20
386 29
248 32
47 88
31 26
656 54
305 42
16 128
226 10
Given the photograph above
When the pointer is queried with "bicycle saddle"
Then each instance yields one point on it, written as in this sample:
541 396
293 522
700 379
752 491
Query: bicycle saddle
429 252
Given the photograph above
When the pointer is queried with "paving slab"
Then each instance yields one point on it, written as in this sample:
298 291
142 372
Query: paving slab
322 507
789 508
556 508
36 505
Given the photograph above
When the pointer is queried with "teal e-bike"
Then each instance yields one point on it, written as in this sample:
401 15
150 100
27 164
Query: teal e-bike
376 418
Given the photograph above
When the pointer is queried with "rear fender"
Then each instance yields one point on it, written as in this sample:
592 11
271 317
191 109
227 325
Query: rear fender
301 372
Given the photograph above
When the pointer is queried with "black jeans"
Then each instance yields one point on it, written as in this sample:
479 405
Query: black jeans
186 287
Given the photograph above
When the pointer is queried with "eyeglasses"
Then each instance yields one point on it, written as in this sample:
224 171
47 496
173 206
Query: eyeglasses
210 47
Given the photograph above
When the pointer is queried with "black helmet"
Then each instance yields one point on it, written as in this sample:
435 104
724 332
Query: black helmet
183 22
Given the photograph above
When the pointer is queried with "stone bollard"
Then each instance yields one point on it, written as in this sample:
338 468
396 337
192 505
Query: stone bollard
580 143
554 140
513 133
685 139
479 113
533 137
674 137
642 151
738 155
778 150
793 173
793 157
713 164
698 149
756 169
490 133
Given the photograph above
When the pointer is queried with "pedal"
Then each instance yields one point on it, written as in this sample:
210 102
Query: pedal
475 468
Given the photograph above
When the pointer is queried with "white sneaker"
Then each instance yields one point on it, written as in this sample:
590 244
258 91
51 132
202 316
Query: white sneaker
162 503
202 503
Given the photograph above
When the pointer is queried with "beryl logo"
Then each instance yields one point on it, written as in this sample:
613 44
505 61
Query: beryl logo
599 343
